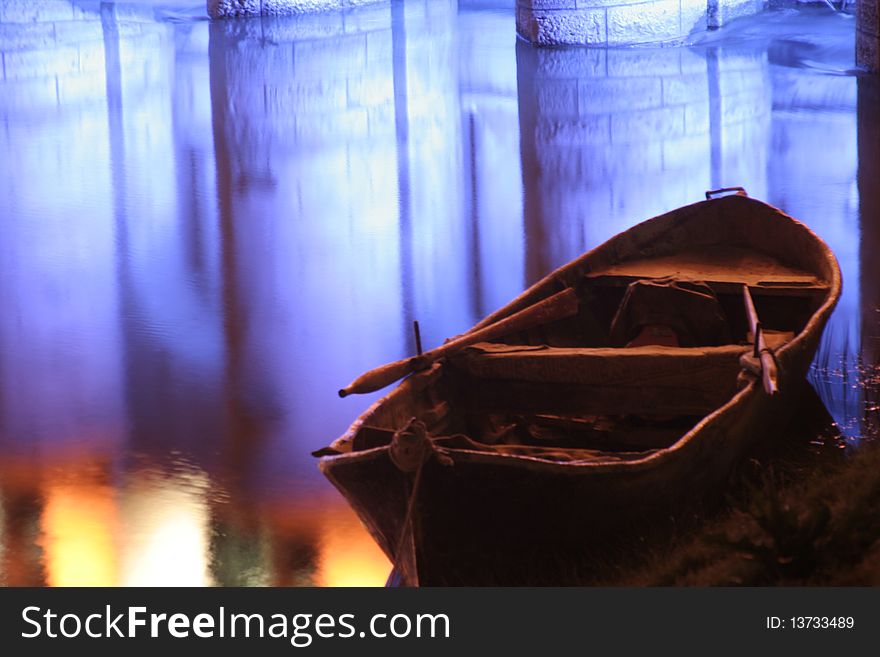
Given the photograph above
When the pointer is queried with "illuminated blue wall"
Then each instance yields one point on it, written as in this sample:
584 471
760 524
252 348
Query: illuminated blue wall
233 8
623 22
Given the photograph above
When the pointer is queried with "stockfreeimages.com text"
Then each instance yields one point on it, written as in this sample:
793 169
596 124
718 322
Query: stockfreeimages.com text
299 629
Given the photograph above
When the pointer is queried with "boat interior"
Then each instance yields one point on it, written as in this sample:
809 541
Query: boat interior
785 297
654 347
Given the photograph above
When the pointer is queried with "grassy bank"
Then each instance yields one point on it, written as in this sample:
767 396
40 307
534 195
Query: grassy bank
823 530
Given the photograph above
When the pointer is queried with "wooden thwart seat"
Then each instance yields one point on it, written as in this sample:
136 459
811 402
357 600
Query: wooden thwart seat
724 268
649 365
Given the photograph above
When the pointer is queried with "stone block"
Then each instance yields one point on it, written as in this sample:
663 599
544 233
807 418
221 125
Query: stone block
721 12
563 163
693 16
547 4
644 23
373 16
627 158
284 7
563 27
130 12
87 10
380 49
692 61
696 119
287 29
684 89
289 7
28 36
77 32
582 131
567 63
35 11
557 98
91 58
639 62
339 57
231 32
648 125
27 64
232 8
307 96
607 95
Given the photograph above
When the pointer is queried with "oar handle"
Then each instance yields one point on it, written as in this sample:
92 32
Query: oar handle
382 376
558 306
769 374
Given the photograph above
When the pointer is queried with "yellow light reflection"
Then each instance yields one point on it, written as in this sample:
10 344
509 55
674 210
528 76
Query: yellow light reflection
166 541
78 524
2 540
349 556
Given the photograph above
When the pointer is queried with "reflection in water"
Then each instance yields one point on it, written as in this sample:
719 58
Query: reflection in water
869 207
79 526
346 559
611 137
164 541
208 228
813 177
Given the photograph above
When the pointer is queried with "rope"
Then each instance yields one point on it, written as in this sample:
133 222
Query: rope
410 449
407 519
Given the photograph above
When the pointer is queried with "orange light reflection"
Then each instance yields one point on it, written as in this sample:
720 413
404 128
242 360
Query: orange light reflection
349 556
79 523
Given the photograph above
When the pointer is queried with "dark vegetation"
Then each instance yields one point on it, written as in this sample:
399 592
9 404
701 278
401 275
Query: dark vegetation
808 514
821 530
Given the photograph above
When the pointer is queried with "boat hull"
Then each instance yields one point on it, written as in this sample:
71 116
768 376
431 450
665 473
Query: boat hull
490 520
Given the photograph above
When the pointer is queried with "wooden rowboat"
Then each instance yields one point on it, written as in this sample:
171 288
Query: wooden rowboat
649 391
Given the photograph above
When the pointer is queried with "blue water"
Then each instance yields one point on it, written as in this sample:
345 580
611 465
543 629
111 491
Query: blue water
207 229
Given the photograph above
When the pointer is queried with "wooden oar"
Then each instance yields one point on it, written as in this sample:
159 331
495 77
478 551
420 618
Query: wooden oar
768 363
559 306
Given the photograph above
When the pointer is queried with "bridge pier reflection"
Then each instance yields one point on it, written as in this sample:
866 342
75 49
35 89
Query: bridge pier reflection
869 212
612 137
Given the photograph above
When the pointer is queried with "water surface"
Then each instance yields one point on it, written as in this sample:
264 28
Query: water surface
207 229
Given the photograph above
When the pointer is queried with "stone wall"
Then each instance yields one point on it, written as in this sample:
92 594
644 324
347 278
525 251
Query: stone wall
612 22
868 35
231 8
622 22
